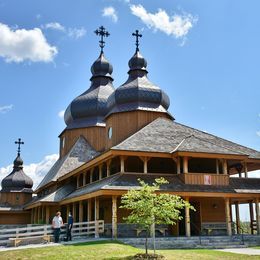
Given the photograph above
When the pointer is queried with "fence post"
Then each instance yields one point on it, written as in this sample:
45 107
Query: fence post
45 230
16 232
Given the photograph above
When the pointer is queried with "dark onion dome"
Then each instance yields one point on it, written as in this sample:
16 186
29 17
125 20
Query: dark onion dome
17 180
89 108
138 93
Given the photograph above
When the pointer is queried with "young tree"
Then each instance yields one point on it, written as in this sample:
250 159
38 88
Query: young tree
148 207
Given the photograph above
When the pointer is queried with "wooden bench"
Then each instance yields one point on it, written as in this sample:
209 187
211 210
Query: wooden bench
209 226
15 241
161 230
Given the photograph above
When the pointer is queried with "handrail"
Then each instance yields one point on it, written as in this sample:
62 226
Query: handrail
79 228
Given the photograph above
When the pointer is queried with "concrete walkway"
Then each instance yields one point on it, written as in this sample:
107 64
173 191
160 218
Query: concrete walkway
76 241
245 251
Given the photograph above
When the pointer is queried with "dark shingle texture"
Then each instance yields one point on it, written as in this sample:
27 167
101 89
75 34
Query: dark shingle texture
126 181
80 153
164 135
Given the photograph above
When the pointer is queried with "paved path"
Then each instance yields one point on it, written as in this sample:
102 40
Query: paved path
245 251
52 244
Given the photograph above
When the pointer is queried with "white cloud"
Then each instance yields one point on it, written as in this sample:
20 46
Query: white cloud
177 25
54 26
110 12
76 33
5 109
18 45
35 170
61 113
258 133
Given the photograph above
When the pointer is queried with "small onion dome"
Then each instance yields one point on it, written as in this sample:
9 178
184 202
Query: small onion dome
89 108
138 93
17 180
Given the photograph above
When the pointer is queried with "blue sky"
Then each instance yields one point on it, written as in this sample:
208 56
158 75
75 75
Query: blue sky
204 54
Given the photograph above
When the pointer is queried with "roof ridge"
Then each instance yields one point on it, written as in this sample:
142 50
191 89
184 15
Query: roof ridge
216 136
214 144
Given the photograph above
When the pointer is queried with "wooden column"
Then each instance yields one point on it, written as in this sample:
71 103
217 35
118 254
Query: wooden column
38 216
100 171
185 165
178 165
35 216
228 221
217 166
47 216
245 170
89 210
78 181
257 216
122 164
237 217
32 215
251 212
96 216
145 162
74 211
114 217
91 175
67 212
225 171
84 178
81 211
108 167
42 213
187 220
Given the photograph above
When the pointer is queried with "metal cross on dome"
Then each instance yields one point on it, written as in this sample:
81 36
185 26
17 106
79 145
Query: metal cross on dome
137 35
103 33
19 142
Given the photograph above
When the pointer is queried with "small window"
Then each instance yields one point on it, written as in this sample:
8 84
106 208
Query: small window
63 142
110 132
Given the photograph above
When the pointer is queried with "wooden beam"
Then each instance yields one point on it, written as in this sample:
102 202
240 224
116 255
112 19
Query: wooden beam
74 211
47 216
228 220
251 213
245 170
225 170
114 217
122 163
257 216
217 166
187 220
96 217
185 165
237 217
81 211
89 210
178 165
108 162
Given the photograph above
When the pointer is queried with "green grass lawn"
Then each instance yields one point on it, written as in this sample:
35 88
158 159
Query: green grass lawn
111 250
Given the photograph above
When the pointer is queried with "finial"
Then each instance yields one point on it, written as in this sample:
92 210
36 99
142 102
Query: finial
19 142
103 33
137 35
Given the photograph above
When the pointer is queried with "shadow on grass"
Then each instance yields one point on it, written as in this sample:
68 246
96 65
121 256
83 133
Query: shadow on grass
100 242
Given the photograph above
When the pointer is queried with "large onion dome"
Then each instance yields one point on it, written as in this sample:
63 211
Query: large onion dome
17 180
138 93
89 108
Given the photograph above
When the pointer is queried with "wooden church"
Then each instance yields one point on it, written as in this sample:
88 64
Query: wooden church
115 136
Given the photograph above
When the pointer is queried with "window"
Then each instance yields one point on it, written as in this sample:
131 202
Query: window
110 132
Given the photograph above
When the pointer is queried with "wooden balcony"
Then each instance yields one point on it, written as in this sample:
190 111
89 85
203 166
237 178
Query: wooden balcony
205 179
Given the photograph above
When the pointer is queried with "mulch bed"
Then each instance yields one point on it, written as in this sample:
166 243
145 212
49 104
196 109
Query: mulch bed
148 257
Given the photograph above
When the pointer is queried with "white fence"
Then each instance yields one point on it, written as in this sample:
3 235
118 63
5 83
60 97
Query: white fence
92 228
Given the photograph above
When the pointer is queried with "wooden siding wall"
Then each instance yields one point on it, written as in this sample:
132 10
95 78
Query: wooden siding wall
94 135
127 123
213 210
15 198
14 218
196 178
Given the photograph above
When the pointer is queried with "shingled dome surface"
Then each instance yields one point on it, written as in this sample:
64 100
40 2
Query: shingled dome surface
17 180
89 108
138 92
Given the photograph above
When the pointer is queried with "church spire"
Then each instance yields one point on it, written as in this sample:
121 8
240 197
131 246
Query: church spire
101 31
137 35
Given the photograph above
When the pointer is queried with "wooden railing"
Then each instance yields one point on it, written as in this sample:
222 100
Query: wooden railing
46 231
205 179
